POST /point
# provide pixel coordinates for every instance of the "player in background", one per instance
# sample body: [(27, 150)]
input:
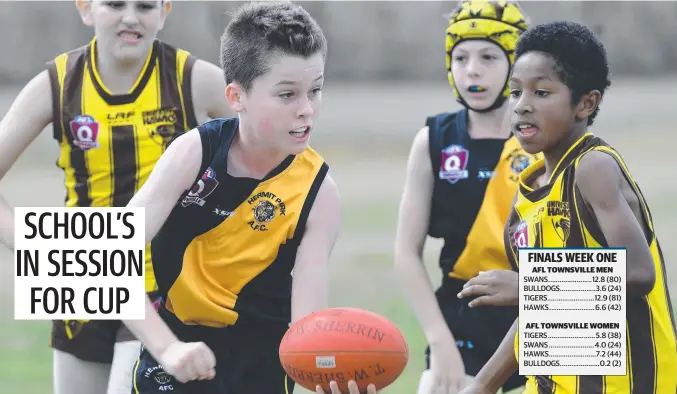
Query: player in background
[(461, 178), (243, 216), (113, 104), (559, 79)]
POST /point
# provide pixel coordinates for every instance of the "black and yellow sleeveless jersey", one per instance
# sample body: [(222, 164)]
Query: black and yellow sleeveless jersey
[(228, 248), (555, 216), (475, 183), (110, 143)]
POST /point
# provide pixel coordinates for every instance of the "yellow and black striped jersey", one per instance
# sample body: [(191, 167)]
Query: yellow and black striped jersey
[(110, 143), (555, 216)]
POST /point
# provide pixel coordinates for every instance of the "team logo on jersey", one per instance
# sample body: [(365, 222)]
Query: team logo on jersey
[(562, 228), (521, 235), (265, 206), (560, 214), (264, 212), (203, 188), (160, 124), (161, 377), (85, 131), (519, 162), (163, 134), (453, 164)]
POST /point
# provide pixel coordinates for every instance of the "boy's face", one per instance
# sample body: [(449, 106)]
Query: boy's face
[(125, 29), (541, 113), (480, 69), (282, 104)]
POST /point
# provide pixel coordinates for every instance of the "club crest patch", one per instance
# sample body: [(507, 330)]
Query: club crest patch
[(264, 212), (521, 235), (203, 188), (519, 163), (265, 207), (85, 132), (453, 163)]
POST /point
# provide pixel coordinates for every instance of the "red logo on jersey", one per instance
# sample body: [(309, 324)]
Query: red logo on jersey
[(209, 174), (521, 235), (203, 188), (85, 131), (453, 163)]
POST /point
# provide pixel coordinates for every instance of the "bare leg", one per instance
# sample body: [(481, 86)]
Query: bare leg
[(75, 376)]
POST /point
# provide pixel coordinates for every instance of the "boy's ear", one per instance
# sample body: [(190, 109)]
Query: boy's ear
[(85, 9), (588, 104), (235, 95), (166, 9)]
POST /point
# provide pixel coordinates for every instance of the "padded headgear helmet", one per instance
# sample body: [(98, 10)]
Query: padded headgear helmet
[(499, 22)]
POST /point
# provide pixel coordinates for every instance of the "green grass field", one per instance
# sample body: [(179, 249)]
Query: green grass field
[(367, 149)]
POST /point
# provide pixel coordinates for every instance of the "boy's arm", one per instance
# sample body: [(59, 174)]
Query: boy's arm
[(310, 285), (209, 92), (174, 173), (30, 113), (446, 364), (411, 233), (601, 182)]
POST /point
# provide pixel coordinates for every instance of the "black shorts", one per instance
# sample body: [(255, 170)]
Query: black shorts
[(478, 331), (93, 340), (247, 361)]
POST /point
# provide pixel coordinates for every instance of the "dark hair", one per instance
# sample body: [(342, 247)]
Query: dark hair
[(259, 30), (580, 58)]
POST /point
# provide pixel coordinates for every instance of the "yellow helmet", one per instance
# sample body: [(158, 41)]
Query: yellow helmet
[(500, 22)]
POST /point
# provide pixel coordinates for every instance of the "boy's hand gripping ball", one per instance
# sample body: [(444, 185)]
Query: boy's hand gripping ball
[(343, 344)]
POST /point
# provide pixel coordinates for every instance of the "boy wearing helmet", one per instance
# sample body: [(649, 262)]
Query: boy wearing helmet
[(461, 178)]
